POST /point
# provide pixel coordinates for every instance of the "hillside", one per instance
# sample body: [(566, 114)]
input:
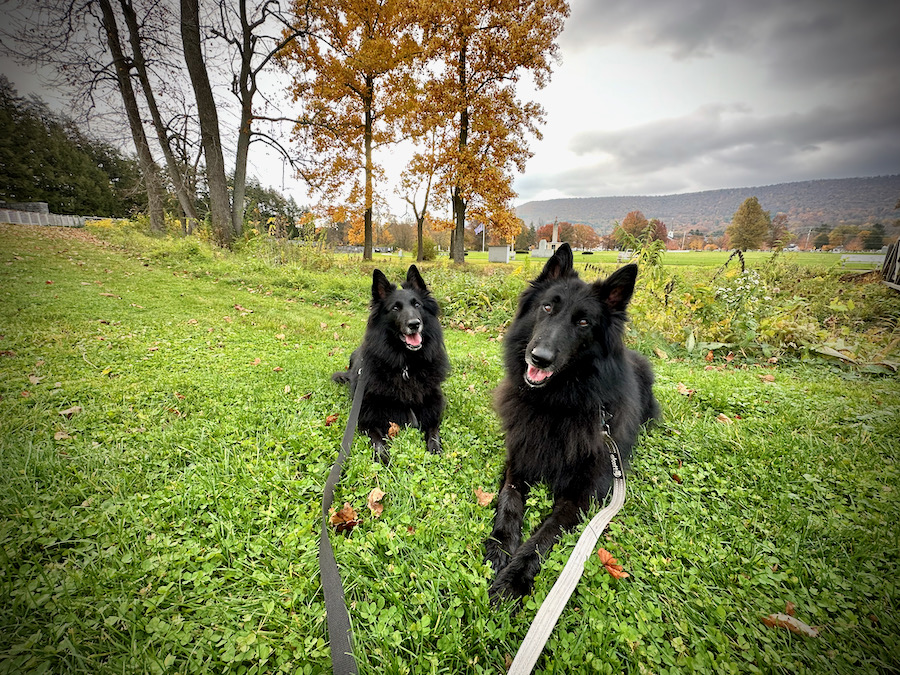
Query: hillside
[(807, 204)]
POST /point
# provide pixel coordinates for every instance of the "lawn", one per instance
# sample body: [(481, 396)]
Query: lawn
[(166, 427)]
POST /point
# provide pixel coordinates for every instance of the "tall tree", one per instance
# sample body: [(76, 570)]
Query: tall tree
[(219, 201), (177, 171), (778, 235), (749, 225), (480, 50), (353, 81), (250, 31), (122, 67)]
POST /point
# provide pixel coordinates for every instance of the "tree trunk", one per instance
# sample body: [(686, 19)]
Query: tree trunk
[(420, 226), (367, 138), (148, 167), (185, 198), (458, 246), (246, 92), (219, 203)]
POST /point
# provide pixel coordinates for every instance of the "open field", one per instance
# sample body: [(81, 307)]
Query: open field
[(165, 436), (674, 258)]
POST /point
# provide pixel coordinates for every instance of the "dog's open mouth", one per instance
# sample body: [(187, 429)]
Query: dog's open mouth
[(413, 341), (537, 377)]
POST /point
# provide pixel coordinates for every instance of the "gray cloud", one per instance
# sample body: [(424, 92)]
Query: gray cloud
[(801, 40)]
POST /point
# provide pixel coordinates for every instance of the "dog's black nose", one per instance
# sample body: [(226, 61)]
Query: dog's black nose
[(414, 325), (541, 357)]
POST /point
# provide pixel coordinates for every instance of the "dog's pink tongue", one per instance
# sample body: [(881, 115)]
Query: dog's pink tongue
[(536, 374), (413, 340)]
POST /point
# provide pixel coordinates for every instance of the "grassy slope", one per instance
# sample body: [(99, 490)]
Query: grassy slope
[(169, 525)]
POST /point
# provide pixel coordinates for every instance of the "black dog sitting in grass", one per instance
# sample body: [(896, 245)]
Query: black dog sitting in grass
[(567, 374), (406, 362)]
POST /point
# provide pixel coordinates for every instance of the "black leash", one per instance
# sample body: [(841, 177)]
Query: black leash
[(340, 635)]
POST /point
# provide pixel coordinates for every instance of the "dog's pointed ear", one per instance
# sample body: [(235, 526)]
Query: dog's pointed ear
[(559, 265), (381, 287), (415, 280), (616, 291)]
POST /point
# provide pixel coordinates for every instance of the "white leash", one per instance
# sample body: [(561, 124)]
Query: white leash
[(556, 600)]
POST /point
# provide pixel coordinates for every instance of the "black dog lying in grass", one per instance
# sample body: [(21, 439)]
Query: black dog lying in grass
[(406, 362), (567, 372)]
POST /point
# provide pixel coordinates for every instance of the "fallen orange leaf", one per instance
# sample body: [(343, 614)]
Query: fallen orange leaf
[(484, 498), (611, 564), (331, 419), (393, 430), (345, 519), (374, 502)]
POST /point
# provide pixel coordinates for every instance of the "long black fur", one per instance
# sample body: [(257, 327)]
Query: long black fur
[(403, 353), (566, 361)]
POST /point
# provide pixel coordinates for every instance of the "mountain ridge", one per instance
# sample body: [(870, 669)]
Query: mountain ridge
[(832, 201)]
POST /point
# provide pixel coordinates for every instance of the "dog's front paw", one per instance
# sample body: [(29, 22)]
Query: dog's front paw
[(433, 444), (495, 555), (509, 585), (381, 453)]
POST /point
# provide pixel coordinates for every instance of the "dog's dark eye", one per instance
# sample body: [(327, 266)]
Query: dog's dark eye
[(395, 308), (547, 308), (416, 304), (584, 323)]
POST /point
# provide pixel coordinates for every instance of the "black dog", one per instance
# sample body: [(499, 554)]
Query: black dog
[(567, 373), (406, 362)]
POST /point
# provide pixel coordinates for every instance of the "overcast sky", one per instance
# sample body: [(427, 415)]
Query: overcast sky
[(668, 96)]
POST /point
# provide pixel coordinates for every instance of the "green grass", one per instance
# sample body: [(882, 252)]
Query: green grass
[(673, 258), (169, 524)]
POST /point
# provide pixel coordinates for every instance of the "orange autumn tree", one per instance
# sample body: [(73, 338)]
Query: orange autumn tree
[(478, 50), (352, 80)]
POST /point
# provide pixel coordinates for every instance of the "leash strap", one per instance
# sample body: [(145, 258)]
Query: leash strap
[(340, 635), (556, 600)]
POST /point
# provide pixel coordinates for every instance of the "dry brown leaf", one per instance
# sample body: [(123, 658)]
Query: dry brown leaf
[(243, 309), (484, 498), (256, 361), (683, 390), (279, 336), (793, 624), (661, 354), (277, 369), (331, 419), (345, 519), (61, 436), (767, 378), (393, 429), (724, 419), (611, 564), (193, 322), (374, 502), (25, 393), (306, 396), (710, 356), (34, 379), (109, 295), (68, 412), (677, 478), (287, 389)]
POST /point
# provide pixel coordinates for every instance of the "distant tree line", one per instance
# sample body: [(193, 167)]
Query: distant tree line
[(45, 157)]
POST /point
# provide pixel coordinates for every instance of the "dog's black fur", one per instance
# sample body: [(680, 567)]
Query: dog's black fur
[(406, 362), (565, 361)]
